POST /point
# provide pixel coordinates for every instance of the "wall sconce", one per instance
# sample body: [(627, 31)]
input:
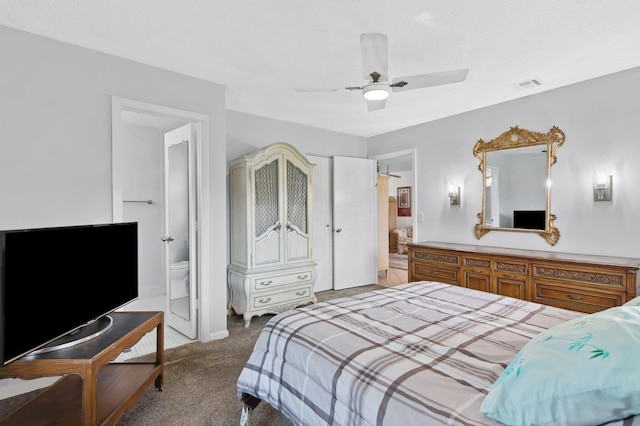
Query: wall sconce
[(454, 194), (602, 186)]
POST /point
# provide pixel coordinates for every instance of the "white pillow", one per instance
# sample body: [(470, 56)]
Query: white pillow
[(581, 372)]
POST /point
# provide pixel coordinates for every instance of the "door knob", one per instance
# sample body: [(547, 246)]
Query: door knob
[(339, 230), (168, 239)]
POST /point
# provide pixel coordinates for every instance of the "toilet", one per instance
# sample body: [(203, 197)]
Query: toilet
[(179, 276)]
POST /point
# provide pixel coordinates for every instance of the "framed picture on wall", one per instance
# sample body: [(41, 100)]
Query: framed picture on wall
[(404, 201)]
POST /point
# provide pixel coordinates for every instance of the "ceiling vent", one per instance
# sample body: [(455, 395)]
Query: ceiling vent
[(527, 84)]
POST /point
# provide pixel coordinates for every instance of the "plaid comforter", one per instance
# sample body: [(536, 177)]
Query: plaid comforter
[(416, 354)]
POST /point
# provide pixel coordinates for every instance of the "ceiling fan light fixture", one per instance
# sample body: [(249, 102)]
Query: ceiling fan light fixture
[(376, 91)]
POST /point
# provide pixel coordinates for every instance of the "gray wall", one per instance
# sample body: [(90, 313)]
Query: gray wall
[(247, 133), (55, 151), (598, 117), (143, 160)]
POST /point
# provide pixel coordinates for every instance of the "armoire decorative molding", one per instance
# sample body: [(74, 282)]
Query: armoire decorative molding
[(271, 268)]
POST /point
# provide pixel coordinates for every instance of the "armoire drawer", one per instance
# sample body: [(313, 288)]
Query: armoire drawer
[(260, 301), (271, 281)]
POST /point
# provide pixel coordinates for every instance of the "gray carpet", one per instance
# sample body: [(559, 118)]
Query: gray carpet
[(200, 380)]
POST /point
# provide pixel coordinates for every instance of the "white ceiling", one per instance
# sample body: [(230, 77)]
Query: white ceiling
[(262, 50)]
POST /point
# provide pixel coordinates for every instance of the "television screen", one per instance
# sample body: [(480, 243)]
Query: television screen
[(55, 280), (529, 219)]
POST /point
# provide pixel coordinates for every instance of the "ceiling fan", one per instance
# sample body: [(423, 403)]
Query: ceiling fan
[(376, 90)]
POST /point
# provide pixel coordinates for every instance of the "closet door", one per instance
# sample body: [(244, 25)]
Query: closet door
[(322, 189), (355, 242)]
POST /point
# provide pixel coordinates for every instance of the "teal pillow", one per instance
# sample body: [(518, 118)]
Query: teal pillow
[(585, 371), (633, 302)]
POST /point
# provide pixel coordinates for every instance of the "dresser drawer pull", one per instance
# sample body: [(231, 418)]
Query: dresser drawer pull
[(265, 283), (303, 277), (510, 276), (434, 272), (301, 293), (574, 297), (263, 301)]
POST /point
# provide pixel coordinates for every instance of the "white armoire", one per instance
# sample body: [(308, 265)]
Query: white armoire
[(271, 268)]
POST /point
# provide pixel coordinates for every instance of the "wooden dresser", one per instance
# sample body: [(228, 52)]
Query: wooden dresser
[(580, 282)]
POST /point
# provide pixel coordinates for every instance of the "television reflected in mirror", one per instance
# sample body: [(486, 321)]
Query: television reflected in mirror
[(529, 219), (59, 284)]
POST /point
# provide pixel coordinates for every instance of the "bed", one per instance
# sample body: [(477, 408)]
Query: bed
[(429, 353)]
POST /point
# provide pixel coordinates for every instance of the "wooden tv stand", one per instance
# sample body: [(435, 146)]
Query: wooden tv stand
[(93, 390)]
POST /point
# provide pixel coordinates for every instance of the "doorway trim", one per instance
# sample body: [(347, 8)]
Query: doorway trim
[(413, 152), (118, 106)]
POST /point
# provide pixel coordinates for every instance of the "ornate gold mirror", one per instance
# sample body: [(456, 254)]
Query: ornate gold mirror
[(516, 175)]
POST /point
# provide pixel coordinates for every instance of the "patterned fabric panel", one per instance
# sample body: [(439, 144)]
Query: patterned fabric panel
[(415, 354), (266, 197), (296, 197)]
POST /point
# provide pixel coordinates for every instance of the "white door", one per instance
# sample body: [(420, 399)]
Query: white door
[(322, 216), (355, 248), (180, 229)]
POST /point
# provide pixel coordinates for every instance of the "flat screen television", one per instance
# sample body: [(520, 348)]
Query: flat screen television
[(57, 285), (529, 219)]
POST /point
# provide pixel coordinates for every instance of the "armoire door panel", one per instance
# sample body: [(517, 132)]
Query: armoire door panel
[(297, 246), (268, 250)]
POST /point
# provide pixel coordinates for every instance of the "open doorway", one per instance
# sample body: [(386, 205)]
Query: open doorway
[(400, 167), (140, 188)]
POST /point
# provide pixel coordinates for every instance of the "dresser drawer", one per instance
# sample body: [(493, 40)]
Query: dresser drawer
[(510, 268), (578, 299), (601, 277), (476, 263), (271, 281), (289, 299), (424, 272), (433, 257), (477, 278)]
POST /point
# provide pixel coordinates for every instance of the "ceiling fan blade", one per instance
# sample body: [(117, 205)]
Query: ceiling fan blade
[(428, 80), (375, 56), (376, 105), (320, 89)]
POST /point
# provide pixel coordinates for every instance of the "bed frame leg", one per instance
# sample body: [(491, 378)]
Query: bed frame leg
[(245, 417)]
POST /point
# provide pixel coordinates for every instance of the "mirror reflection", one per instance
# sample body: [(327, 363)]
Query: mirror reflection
[(178, 215), (516, 169), (516, 189)]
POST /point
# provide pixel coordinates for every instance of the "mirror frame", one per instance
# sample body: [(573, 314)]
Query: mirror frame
[(518, 138)]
